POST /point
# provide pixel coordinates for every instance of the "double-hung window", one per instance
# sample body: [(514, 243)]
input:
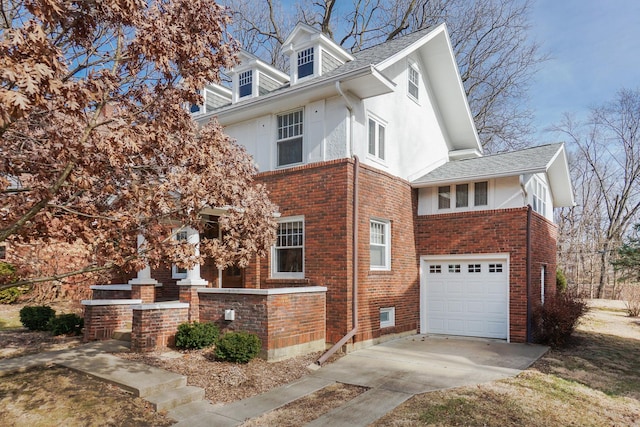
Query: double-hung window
[(289, 144), (288, 252), (245, 83), (305, 63), (539, 197), (462, 195), (380, 244), (179, 272), (481, 191), (376, 138), (413, 83)]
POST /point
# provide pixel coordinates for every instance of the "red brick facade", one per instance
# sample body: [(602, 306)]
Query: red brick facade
[(101, 321), (156, 327), (498, 231)]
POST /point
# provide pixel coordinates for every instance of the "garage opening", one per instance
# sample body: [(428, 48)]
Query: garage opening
[(465, 295)]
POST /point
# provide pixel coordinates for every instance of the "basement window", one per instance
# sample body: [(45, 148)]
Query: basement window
[(387, 317)]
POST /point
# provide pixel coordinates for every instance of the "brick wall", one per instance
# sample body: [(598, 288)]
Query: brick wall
[(498, 231), (287, 322), (543, 253), (155, 326), (100, 321), (323, 193)]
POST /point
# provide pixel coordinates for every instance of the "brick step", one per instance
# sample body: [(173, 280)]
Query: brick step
[(171, 398)]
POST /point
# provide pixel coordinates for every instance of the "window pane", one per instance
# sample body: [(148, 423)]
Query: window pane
[(290, 151), (462, 195), (289, 260), (305, 63), (372, 137), (414, 78), (444, 197), (378, 256), (245, 82), (480, 193)]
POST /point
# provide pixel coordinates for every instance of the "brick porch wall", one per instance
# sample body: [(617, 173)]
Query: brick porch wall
[(103, 317), (288, 321), (543, 253), (155, 325), (497, 231)]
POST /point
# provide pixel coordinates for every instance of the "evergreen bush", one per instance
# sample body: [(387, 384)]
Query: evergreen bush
[(238, 347), (66, 324), (561, 281), (196, 335), (36, 318)]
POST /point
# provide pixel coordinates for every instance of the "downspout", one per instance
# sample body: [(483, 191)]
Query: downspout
[(529, 319), (354, 237)]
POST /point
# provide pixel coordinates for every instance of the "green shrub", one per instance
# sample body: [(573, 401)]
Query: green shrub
[(196, 335), (561, 282), (66, 324), (238, 347), (555, 321), (11, 295), (36, 318)]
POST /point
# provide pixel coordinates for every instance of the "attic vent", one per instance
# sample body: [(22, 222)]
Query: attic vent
[(305, 63)]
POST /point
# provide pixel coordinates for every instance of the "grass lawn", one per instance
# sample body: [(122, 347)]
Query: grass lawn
[(594, 381)]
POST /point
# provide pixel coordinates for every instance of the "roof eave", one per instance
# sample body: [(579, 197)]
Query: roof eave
[(448, 181)]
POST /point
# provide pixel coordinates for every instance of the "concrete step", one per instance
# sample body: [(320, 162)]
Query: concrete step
[(122, 335), (169, 399), (186, 411)]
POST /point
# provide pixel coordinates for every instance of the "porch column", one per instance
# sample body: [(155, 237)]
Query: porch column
[(143, 286), (193, 274)]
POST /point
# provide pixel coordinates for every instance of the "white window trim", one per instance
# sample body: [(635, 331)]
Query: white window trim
[(539, 187), (392, 317), (379, 123), (288, 275), (387, 245), (175, 274), (304, 128), (315, 54), (543, 273), (471, 192), (413, 66)]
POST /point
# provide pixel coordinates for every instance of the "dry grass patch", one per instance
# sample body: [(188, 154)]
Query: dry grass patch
[(593, 381), (308, 408), (61, 397)]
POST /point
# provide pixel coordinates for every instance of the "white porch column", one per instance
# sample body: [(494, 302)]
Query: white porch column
[(193, 274), (144, 275)]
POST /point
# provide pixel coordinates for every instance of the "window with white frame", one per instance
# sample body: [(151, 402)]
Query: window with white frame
[(305, 62), (376, 138), (245, 83), (539, 197), (543, 272), (380, 244), (290, 138), (387, 317), (414, 81), (288, 252), (179, 272), (464, 194)]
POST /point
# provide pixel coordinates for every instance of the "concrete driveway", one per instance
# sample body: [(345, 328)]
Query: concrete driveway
[(398, 369)]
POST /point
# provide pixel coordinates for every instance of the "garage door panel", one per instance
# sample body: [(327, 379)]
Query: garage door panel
[(471, 301)]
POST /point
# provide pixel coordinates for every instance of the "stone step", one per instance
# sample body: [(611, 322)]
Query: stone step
[(122, 335), (169, 399)]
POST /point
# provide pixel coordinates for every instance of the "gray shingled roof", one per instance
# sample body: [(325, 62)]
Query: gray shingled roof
[(529, 160), (362, 59)]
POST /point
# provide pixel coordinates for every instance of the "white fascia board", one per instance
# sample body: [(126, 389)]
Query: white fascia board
[(300, 94), (560, 180)]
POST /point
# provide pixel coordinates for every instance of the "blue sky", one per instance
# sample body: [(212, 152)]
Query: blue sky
[(595, 51)]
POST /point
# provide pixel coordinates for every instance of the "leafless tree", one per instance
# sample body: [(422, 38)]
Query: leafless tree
[(495, 54), (608, 173)]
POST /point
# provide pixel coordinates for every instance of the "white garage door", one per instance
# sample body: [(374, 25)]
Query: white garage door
[(465, 296)]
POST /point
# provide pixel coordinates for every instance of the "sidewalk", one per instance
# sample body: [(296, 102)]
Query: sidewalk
[(393, 372)]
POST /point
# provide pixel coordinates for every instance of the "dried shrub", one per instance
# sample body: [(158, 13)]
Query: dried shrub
[(196, 335), (555, 321), (36, 318), (66, 324), (238, 347), (631, 296)]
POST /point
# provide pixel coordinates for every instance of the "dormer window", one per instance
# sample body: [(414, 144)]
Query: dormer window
[(305, 63), (245, 83)]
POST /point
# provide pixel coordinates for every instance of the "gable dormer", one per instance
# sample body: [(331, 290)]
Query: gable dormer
[(253, 77), (311, 53), (214, 96)]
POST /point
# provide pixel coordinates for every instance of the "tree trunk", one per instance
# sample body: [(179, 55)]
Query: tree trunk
[(604, 260)]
